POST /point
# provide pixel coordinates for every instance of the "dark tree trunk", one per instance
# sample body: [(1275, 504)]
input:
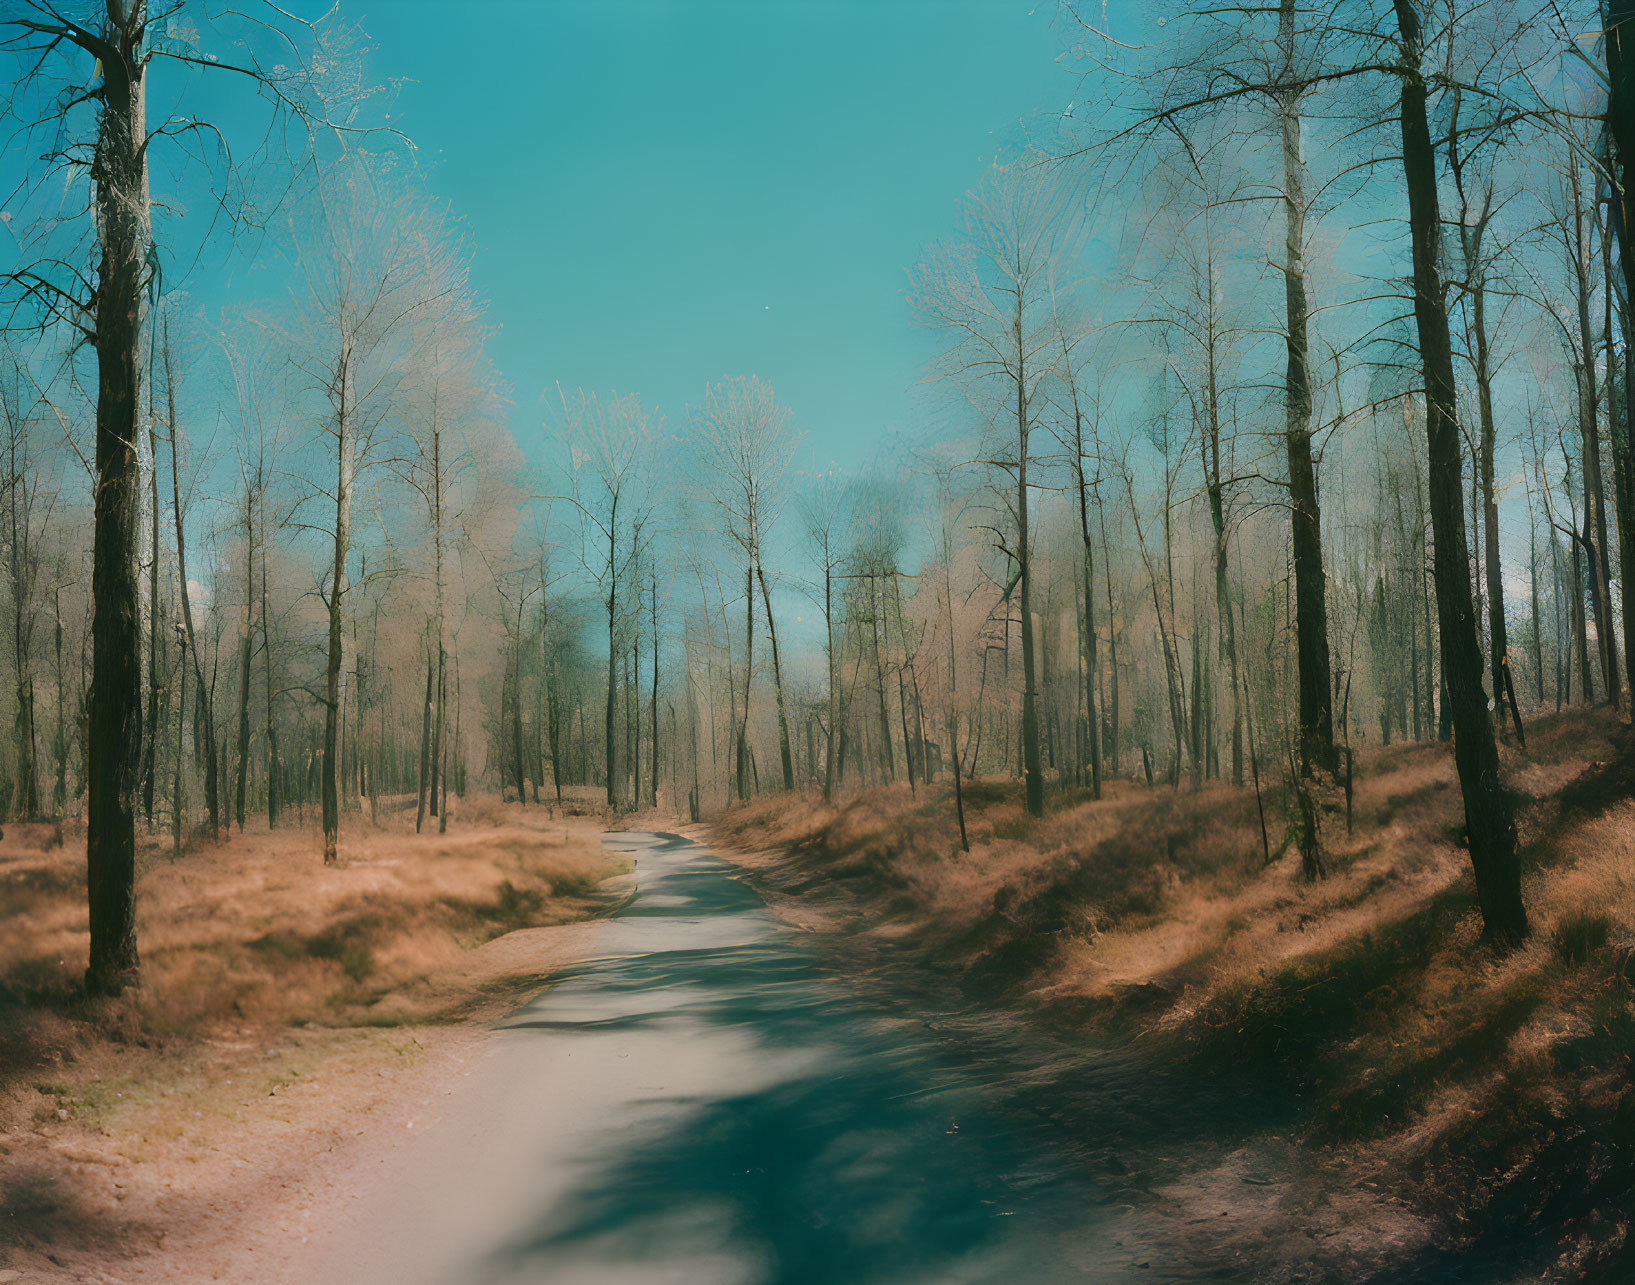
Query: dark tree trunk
[(22, 560), (1621, 129), (203, 713), (1088, 620), (114, 713), (777, 684), (1034, 778), (1497, 634), (1594, 534), (329, 785), (888, 763), (241, 784), (515, 666), (1489, 822), (1223, 601), (425, 745), (612, 655), (1112, 647), (743, 761), (653, 696), (273, 796), (156, 631), (832, 730), (1306, 529), (1623, 470), (553, 695)]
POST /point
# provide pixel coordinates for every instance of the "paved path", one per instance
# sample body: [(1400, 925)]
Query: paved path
[(704, 1104)]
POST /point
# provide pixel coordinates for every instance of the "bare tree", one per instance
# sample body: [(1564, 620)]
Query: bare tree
[(996, 292), (368, 278), (204, 714), (609, 445), (825, 512), (101, 133), (746, 443)]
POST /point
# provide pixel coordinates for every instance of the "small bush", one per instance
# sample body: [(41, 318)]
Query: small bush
[(1580, 933), (348, 946), (516, 904)]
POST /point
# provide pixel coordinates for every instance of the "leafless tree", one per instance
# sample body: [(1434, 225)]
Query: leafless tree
[(997, 293), (746, 445)]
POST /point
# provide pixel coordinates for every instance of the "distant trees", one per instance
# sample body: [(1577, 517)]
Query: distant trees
[(996, 294), (28, 508), (364, 295), (745, 443), (826, 515), (610, 446)]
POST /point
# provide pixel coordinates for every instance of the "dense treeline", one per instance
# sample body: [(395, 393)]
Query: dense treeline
[(1283, 410)]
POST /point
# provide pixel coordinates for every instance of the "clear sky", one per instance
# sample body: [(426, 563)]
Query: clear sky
[(663, 192)]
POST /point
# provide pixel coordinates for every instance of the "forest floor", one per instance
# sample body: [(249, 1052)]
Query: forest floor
[(289, 1019), (1441, 1104)]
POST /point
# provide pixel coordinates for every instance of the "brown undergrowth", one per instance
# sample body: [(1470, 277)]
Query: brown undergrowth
[(1490, 1090), (261, 970)]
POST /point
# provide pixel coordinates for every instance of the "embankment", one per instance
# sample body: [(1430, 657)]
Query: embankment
[(1479, 1101)]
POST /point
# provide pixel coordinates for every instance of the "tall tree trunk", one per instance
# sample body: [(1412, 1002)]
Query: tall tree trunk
[(156, 630), (204, 715), (553, 694), (888, 763), (777, 683), (1532, 578), (1577, 623), (1306, 529), (742, 762), (1594, 535), (178, 789), (632, 724), (114, 703), (1033, 776), (612, 654), (1623, 468), (1489, 822), (273, 797), (329, 785), (514, 664), (653, 696), (21, 564), (1620, 124), (1112, 645), (425, 744), (59, 739), (832, 730), (1087, 628), (1497, 633), (241, 784), (1228, 637), (1620, 417)]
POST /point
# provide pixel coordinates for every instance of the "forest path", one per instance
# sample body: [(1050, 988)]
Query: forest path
[(706, 1102)]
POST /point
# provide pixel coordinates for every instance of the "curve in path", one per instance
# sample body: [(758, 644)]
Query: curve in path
[(707, 1104)]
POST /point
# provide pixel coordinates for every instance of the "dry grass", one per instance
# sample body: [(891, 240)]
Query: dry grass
[(1494, 1085), (255, 929), (263, 971)]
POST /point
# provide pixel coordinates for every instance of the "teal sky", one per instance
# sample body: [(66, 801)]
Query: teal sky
[(663, 192)]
